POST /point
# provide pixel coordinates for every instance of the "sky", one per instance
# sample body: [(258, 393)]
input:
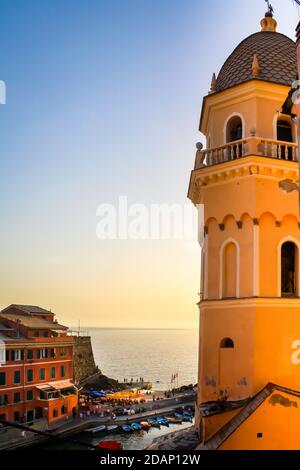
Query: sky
[(103, 101)]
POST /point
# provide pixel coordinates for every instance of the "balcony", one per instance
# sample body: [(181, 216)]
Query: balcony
[(242, 148)]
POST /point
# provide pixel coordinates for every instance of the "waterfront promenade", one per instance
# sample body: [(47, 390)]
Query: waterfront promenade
[(10, 438)]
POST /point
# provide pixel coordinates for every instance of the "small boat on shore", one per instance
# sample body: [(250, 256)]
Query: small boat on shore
[(173, 420), (97, 429), (162, 421), (187, 419), (145, 425), (153, 423), (110, 445), (126, 428), (136, 427), (112, 428)]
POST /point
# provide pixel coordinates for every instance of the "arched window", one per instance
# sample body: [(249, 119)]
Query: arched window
[(55, 413), (234, 129), (227, 343), (288, 269), (230, 275), (285, 134), (64, 410)]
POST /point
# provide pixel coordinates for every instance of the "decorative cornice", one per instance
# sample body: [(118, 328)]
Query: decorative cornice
[(246, 167), (250, 302)]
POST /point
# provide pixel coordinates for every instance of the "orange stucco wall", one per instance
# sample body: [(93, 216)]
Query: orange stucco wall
[(277, 419)]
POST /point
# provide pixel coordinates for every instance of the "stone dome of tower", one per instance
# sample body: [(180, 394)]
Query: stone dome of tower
[(274, 52)]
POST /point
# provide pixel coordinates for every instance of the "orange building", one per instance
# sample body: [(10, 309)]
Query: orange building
[(247, 181), (36, 356)]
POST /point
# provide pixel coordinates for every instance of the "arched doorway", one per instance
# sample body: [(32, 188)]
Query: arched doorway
[(285, 134), (288, 269)]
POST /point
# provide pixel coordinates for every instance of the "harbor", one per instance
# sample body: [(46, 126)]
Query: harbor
[(173, 414)]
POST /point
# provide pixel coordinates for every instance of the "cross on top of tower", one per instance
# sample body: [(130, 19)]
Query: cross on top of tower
[(270, 8)]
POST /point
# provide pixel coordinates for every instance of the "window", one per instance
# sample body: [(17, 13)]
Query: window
[(3, 400), (42, 374), (288, 269), (42, 353), (227, 343), (2, 378), (52, 352), (234, 133), (30, 354), (17, 416), (7, 355), (29, 375), (62, 352), (234, 130), (30, 415), (64, 409), (17, 355), (17, 377), (55, 413), (62, 371), (259, 435), (17, 397), (36, 333), (46, 334), (29, 395), (52, 372)]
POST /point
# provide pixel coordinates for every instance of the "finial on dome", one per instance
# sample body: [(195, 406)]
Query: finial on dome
[(268, 23), (213, 86), (255, 67)]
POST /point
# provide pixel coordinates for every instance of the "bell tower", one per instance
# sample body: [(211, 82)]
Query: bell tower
[(244, 178)]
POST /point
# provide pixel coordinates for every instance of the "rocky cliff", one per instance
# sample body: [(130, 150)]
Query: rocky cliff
[(84, 365)]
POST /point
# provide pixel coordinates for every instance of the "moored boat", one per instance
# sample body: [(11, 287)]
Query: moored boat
[(162, 421), (97, 429), (126, 428), (187, 419), (136, 427), (145, 425), (174, 420), (110, 445), (153, 423), (112, 428)]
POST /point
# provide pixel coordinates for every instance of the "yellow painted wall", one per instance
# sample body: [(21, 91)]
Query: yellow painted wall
[(258, 102), (217, 421), (277, 419), (226, 373)]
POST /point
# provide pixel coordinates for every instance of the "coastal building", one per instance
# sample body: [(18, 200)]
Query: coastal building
[(247, 180), (36, 366)]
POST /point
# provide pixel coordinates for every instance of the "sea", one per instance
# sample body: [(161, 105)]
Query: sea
[(152, 354)]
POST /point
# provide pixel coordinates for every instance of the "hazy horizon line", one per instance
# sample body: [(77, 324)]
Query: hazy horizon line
[(127, 328)]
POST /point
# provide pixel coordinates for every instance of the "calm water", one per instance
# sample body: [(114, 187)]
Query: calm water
[(152, 354), (130, 441)]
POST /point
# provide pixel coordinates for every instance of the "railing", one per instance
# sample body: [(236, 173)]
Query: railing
[(241, 148)]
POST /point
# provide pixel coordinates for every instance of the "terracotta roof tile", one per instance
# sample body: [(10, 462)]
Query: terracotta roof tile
[(276, 54)]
